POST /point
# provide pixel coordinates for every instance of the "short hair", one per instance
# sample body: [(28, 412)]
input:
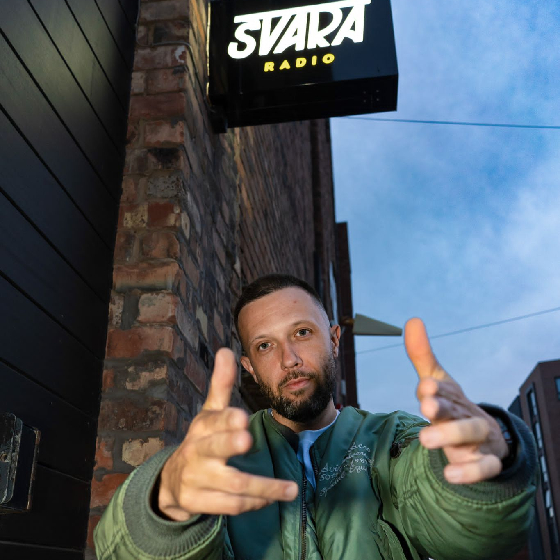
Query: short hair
[(269, 284)]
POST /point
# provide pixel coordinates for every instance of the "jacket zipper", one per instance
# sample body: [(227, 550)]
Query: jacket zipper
[(303, 516)]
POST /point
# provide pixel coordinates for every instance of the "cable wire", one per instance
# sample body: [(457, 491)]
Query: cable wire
[(468, 329), (457, 123)]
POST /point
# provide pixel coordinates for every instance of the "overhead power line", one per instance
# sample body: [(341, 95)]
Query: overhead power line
[(468, 329), (457, 123)]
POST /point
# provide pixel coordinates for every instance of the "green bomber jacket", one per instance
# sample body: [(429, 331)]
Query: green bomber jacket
[(379, 495)]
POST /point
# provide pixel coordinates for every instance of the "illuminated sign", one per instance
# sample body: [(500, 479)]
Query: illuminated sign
[(285, 60)]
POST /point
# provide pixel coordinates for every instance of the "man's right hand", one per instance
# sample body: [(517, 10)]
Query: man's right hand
[(196, 478)]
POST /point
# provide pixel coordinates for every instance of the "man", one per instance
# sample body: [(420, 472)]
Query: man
[(301, 481)]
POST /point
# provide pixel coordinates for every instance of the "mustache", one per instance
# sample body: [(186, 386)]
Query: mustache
[(295, 375)]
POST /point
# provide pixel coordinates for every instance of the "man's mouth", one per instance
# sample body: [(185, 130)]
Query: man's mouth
[(298, 383)]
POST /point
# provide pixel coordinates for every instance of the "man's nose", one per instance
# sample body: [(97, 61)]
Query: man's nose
[(290, 358)]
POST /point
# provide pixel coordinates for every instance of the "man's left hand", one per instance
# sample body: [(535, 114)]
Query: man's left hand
[(470, 438)]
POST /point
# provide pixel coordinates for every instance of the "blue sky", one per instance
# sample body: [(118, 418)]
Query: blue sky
[(458, 225)]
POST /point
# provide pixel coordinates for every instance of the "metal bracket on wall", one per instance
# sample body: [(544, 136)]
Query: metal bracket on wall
[(19, 445)]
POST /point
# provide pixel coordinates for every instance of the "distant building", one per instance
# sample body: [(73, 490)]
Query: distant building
[(538, 404)]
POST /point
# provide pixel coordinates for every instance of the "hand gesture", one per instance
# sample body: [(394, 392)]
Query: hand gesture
[(471, 439), (196, 478)]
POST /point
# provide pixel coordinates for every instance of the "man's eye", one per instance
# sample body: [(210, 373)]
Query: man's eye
[(263, 345), (303, 332)]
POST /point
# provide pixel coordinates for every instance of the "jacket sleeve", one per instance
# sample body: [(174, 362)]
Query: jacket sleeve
[(130, 530), (489, 520)]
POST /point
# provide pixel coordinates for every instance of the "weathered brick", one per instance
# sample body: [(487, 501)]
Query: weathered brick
[(169, 185), (137, 451), (164, 214), (170, 31), (128, 414), (199, 16), (160, 57), (129, 190), (162, 133), (166, 158), (104, 453), (115, 309), (142, 161), (185, 225), (93, 521), (167, 80), (158, 307), (197, 373), (187, 326), (160, 245), (135, 341), (133, 215), (171, 417), (191, 268), (220, 280), (125, 243), (147, 276), (138, 83), (162, 10), (157, 106), (108, 381), (194, 212), (203, 319), (219, 327), (142, 377), (132, 135), (102, 490), (219, 248)]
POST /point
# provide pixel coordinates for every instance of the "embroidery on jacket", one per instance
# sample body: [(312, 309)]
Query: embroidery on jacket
[(356, 460)]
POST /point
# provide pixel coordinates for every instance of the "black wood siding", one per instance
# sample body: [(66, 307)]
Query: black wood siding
[(65, 70)]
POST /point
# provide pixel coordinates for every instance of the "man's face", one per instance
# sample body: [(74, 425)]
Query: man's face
[(291, 351)]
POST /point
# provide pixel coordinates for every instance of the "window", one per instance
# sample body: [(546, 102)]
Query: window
[(557, 379), (532, 401)]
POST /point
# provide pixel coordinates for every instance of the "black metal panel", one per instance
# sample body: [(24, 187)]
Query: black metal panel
[(29, 185), (77, 54), (123, 34), (32, 264), (38, 346), (13, 551), (39, 55), (47, 136), (130, 8), (67, 434), (57, 518), (65, 80), (99, 37)]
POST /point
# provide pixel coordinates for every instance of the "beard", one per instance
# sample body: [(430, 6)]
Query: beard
[(306, 410)]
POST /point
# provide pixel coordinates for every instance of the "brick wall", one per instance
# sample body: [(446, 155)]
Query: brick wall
[(201, 215)]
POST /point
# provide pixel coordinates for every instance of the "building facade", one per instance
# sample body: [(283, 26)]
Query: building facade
[(129, 228), (538, 404)]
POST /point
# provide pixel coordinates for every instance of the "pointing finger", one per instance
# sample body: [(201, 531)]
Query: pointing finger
[(223, 380), (232, 481), (420, 352), (457, 432)]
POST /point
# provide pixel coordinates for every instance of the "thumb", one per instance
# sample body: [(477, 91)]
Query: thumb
[(223, 380), (420, 352)]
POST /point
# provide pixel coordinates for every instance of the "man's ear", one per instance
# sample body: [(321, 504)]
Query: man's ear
[(246, 363), (335, 339)]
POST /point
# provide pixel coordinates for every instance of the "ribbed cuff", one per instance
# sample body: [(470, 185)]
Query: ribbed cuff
[(154, 535), (508, 483)]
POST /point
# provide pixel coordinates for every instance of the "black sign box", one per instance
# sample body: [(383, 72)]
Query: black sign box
[(274, 61)]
